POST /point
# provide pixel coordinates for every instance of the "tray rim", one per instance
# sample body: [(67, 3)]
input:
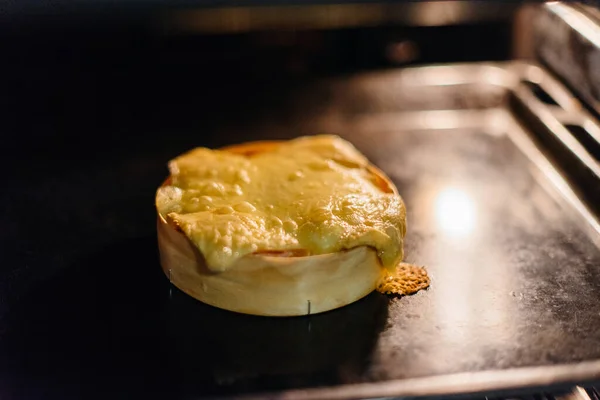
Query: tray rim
[(466, 383)]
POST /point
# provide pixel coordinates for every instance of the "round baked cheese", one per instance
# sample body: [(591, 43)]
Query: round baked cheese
[(279, 228)]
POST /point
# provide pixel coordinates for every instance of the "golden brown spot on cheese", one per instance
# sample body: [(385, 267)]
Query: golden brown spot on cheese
[(237, 190), (294, 176), (224, 210), (290, 226), (242, 175), (244, 207), (406, 279)]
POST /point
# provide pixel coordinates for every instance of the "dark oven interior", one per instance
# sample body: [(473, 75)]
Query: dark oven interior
[(97, 97)]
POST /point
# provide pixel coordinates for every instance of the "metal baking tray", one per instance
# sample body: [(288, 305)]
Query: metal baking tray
[(502, 202)]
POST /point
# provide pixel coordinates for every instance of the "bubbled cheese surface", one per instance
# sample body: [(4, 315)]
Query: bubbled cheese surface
[(312, 194)]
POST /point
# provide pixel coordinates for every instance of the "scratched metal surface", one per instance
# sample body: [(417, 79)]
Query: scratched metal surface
[(515, 280)]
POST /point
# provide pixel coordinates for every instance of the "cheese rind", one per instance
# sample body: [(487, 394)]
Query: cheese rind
[(314, 194)]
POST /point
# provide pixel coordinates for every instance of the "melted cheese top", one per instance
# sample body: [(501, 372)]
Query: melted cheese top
[(312, 194)]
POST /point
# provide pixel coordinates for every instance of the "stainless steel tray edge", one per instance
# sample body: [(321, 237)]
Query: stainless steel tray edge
[(456, 384)]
